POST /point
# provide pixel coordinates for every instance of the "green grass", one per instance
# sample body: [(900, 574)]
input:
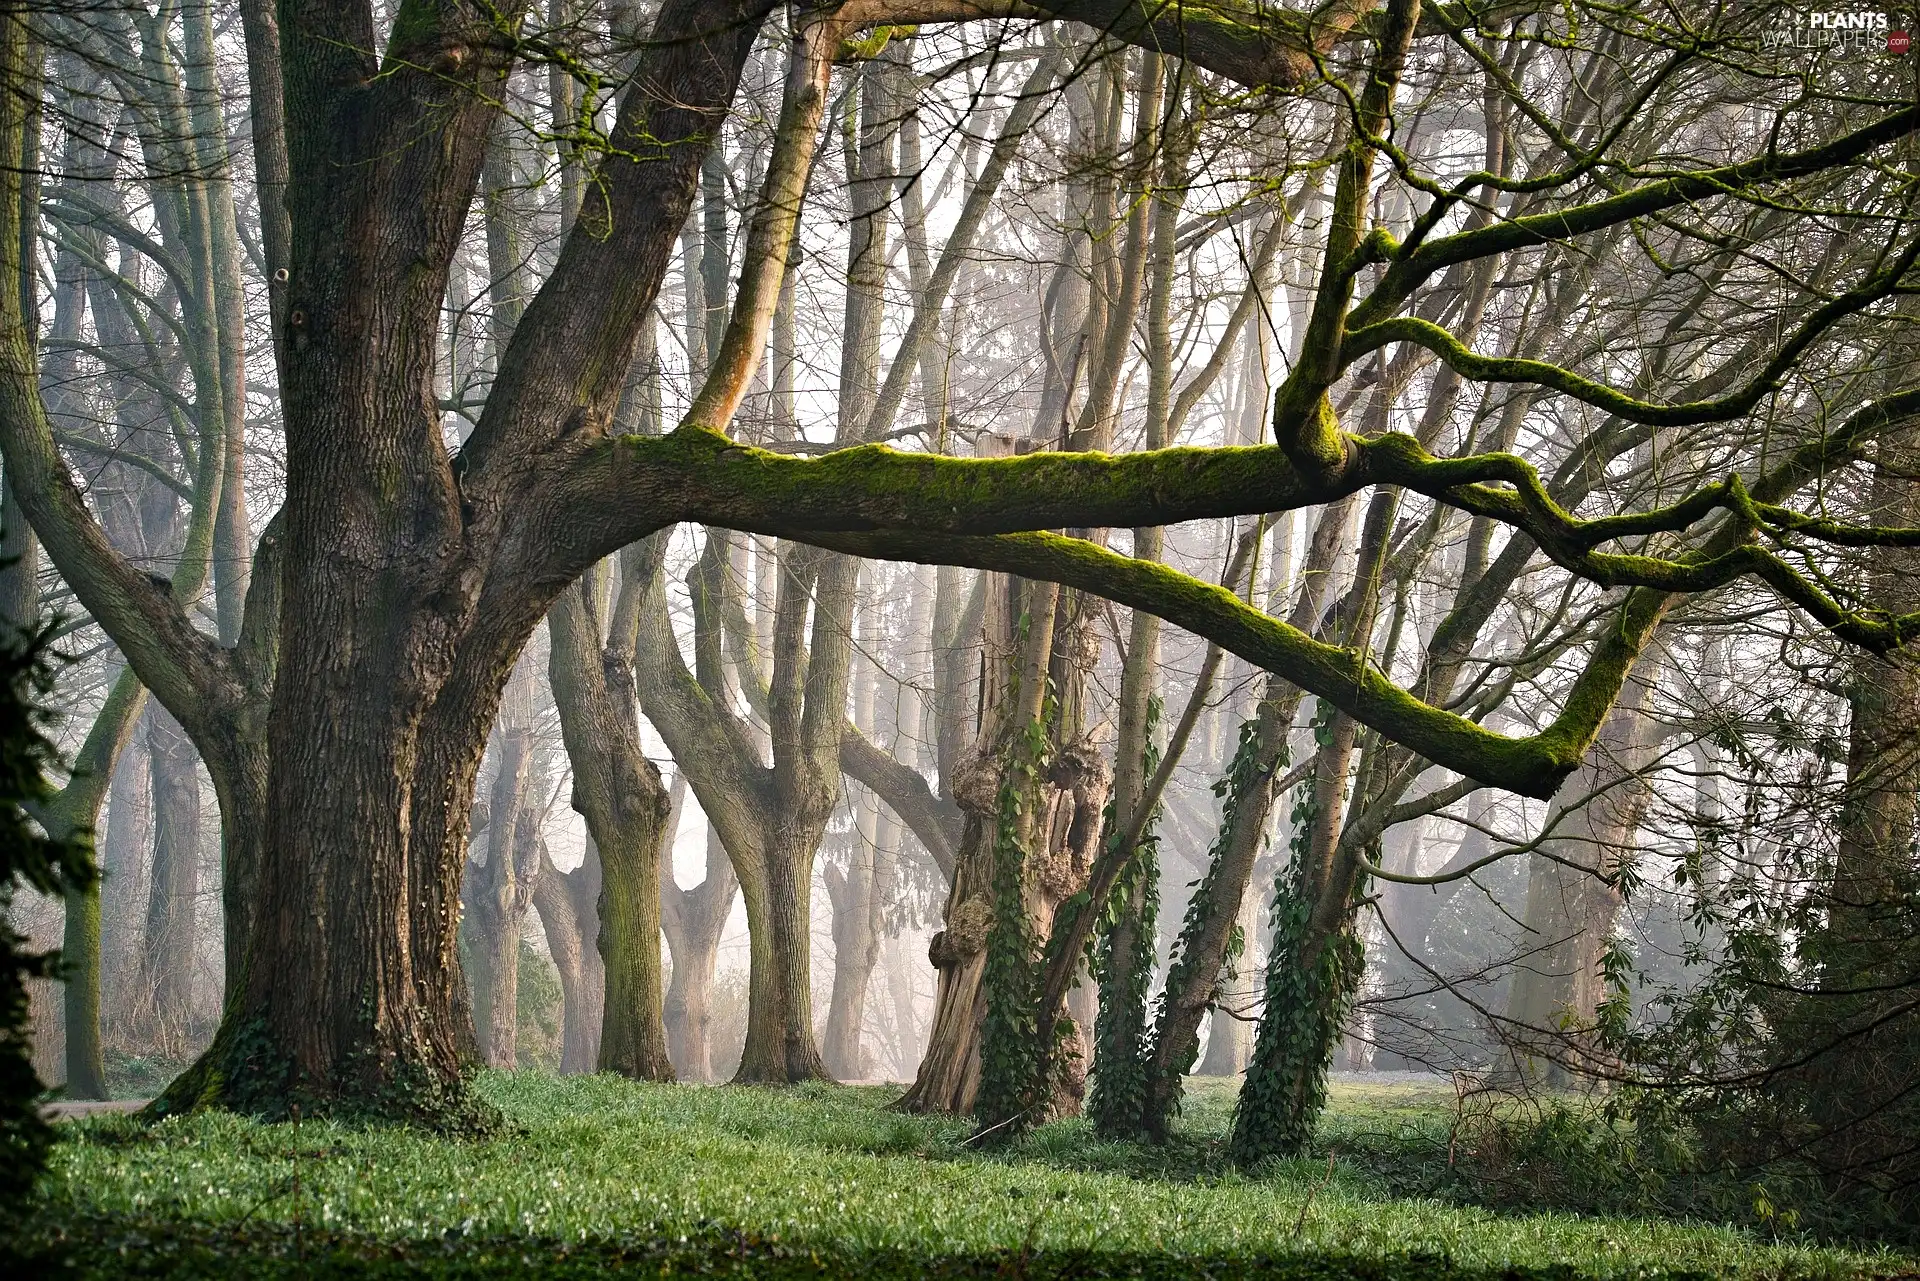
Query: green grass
[(598, 1172)]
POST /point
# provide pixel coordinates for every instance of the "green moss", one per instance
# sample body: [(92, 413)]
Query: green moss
[(712, 479)]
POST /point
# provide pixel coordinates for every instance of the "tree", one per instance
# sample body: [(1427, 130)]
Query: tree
[(344, 716)]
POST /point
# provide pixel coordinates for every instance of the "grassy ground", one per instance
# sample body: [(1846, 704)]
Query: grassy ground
[(598, 1172)]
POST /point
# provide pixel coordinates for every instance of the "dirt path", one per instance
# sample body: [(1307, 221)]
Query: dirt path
[(74, 1109)]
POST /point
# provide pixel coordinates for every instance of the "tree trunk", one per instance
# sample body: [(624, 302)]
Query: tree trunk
[(167, 953), (406, 590), (1572, 904), (1059, 829), (570, 915), (949, 1073), (859, 896), (620, 794), (1253, 781), (71, 816), (123, 870), (781, 1048), (498, 893), (693, 920), (1317, 962)]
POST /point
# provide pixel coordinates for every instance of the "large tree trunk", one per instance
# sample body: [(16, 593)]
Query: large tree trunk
[(1059, 833), (949, 1073), (408, 590)]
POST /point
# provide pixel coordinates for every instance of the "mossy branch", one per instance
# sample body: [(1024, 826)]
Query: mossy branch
[(1531, 766)]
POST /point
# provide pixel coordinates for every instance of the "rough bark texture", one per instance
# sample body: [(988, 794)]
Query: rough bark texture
[(374, 744), (1061, 829)]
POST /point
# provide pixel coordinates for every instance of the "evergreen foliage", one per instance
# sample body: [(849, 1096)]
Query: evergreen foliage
[(27, 858)]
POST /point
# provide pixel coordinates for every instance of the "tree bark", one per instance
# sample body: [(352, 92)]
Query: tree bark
[(620, 794)]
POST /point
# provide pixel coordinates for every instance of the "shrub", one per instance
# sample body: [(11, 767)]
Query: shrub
[(27, 857)]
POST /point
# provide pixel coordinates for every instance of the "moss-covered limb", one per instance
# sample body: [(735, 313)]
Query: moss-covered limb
[(1530, 766), (634, 485), (1257, 45), (1514, 369), (1418, 264), (1839, 533), (639, 483), (1568, 540), (874, 488)]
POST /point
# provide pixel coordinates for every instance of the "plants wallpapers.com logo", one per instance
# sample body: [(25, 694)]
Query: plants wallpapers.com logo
[(1842, 33)]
